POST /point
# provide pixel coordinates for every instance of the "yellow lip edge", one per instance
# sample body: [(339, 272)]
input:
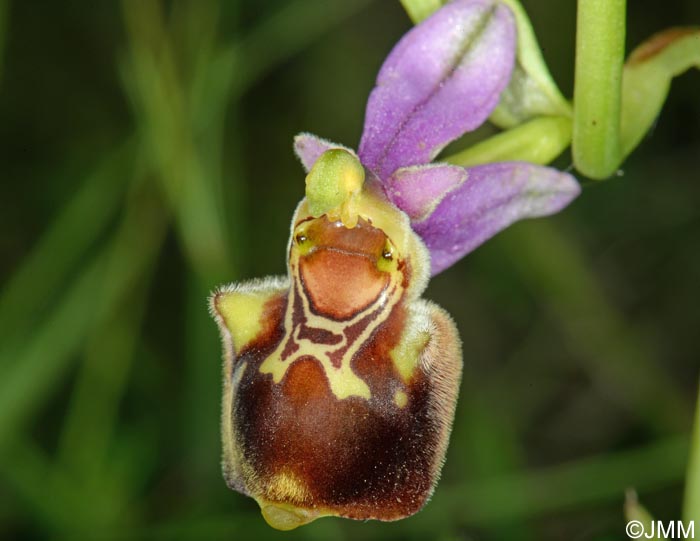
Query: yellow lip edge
[(286, 517)]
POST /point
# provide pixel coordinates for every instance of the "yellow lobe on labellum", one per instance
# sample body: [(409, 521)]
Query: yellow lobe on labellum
[(400, 399), (241, 313), (404, 355), (286, 517)]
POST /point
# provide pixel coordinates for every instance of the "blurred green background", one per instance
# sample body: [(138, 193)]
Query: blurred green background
[(146, 158)]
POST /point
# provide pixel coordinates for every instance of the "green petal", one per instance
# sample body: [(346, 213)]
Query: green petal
[(420, 9), (538, 141), (646, 79)]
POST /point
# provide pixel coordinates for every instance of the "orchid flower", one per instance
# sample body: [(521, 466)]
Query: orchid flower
[(340, 381)]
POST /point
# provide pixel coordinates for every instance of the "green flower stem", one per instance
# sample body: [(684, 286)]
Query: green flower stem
[(600, 49), (691, 503), (537, 141)]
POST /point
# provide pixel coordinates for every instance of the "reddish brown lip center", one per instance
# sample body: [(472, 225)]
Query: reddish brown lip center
[(341, 284), (340, 275)]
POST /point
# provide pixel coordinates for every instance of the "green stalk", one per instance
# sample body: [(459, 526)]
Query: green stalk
[(691, 502), (600, 50)]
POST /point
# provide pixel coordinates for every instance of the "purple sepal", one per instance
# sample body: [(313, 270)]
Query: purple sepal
[(309, 148), (493, 197), (441, 80), (417, 190)]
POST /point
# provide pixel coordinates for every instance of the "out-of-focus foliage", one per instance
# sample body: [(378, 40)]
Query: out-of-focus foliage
[(146, 158)]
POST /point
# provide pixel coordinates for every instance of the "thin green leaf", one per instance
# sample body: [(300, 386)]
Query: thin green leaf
[(34, 370), (24, 468), (92, 414), (76, 227), (159, 98)]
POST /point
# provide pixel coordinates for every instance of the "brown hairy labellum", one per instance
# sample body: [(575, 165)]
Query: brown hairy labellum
[(340, 382)]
